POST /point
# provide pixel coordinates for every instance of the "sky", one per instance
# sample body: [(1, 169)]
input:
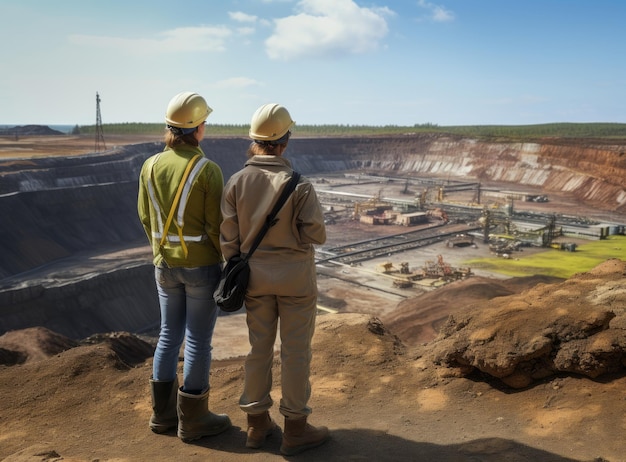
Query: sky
[(348, 62)]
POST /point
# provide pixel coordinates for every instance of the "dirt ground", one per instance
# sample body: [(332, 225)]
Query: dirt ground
[(382, 397), (63, 145)]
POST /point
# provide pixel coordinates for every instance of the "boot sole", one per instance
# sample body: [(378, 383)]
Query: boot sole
[(292, 451), (187, 437), (161, 430)]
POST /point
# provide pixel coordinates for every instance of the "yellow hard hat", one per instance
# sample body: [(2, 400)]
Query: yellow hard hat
[(270, 122), (187, 110)]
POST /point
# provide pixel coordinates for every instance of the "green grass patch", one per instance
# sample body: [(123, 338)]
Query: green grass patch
[(552, 262)]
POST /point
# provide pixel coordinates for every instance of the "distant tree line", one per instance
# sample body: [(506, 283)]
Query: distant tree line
[(571, 130)]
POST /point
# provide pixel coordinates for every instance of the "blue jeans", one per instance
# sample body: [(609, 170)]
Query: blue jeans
[(189, 313)]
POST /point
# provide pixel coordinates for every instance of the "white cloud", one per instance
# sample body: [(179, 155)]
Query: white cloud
[(327, 27), (242, 17), (183, 39), (438, 13)]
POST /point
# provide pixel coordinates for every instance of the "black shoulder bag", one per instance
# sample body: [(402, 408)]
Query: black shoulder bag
[(231, 290)]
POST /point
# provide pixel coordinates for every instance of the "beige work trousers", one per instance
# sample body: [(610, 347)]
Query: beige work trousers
[(280, 295)]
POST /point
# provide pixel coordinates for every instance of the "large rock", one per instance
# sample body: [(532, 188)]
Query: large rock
[(576, 327)]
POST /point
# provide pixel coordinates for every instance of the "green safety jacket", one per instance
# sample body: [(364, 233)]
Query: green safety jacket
[(192, 238)]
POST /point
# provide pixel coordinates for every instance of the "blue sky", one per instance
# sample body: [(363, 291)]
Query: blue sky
[(352, 62)]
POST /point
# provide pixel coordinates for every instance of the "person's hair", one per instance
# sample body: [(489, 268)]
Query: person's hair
[(172, 139), (264, 148)]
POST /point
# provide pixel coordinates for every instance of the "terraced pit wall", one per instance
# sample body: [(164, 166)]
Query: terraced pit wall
[(54, 208)]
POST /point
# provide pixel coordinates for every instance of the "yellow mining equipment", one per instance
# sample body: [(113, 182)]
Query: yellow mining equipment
[(373, 203), (401, 278)]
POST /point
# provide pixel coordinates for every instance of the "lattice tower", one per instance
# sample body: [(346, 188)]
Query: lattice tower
[(99, 133)]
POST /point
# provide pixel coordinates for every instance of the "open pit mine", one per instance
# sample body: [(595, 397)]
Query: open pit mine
[(69, 259)]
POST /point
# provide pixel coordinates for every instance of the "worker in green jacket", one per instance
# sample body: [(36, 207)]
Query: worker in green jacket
[(179, 207)]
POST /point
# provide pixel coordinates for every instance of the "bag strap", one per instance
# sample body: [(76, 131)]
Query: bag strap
[(271, 219)]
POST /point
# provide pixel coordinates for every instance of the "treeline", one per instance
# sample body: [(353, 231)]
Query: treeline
[(571, 130)]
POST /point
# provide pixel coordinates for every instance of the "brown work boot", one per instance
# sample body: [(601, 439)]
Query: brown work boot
[(260, 426), (195, 420), (299, 436)]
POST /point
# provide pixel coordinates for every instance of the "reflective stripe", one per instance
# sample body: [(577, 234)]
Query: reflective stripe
[(187, 189), (175, 238), (152, 194), (155, 204)]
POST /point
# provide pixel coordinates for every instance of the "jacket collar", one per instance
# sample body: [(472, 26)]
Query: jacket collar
[(186, 150), (277, 161)]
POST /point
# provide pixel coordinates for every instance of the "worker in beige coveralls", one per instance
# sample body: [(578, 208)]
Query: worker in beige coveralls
[(283, 283)]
